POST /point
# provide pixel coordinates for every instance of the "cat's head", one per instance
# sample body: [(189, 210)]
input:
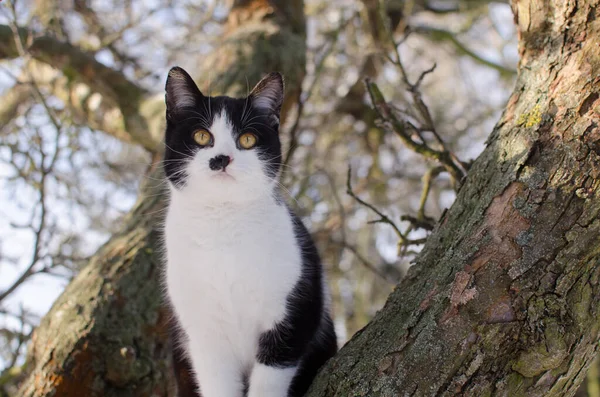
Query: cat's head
[(221, 148)]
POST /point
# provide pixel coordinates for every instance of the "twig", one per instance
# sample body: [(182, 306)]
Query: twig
[(382, 217), (392, 123), (427, 180), (305, 96), (36, 245), (20, 45), (421, 220), (47, 163), (403, 241), (365, 262), (423, 74), (425, 224)]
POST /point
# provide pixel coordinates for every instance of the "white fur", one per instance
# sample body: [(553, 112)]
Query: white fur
[(232, 260), (270, 381), (267, 99)]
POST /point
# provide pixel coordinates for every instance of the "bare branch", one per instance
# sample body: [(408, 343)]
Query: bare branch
[(38, 231), (366, 263), (138, 109), (427, 180), (391, 123), (439, 35), (421, 221), (382, 217), (403, 241)]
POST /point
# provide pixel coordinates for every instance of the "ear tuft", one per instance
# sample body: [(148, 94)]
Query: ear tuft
[(181, 91), (268, 93)]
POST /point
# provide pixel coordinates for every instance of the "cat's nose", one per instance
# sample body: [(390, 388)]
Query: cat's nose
[(219, 162)]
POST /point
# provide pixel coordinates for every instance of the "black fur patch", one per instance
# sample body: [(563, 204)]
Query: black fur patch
[(306, 335)]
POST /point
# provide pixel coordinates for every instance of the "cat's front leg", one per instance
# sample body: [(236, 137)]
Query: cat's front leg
[(218, 374), (278, 359), (271, 381)]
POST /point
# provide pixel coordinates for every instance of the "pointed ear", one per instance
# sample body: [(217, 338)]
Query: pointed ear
[(181, 91), (268, 94)]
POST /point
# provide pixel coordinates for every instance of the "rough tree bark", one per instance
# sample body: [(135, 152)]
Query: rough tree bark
[(106, 335), (504, 298)]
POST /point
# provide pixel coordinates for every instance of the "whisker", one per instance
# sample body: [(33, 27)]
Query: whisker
[(159, 211), (209, 95), (207, 110), (164, 181), (286, 190), (202, 119), (183, 154), (171, 161), (187, 147), (244, 114), (156, 195), (254, 118)]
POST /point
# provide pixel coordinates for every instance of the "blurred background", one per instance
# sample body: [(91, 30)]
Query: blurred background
[(68, 173)]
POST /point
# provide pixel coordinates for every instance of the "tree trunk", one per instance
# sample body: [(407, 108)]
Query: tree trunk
[(504, 298), (106, 335)]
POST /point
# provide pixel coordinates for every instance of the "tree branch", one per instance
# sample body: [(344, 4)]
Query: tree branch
[(382, 217), (365, 262), (439, 35), (391, 123), (138, 110), (403, 240)]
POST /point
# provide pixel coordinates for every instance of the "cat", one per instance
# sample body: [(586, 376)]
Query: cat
[(242, 275)]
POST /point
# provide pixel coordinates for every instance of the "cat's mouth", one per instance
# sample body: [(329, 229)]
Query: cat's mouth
[(222, 175)]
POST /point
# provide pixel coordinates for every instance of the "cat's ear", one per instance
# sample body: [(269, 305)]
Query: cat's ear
[(268, 94), (180, 91)]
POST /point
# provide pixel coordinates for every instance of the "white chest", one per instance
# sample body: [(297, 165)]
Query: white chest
[(229, 273)]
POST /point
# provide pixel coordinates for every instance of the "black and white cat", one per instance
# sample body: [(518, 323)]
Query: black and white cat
[(242, 273)]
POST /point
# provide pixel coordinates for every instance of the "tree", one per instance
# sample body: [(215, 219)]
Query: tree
[(503, 298), (500, 300)]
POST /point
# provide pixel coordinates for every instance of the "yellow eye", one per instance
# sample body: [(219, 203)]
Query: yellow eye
[(248, 140), (202, 137)]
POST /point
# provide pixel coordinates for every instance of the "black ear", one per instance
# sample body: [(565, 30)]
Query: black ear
[(268, 94), (181, 91)]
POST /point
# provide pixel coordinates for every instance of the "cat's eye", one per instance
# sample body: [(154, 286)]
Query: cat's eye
[(202, 137), (248, 140)]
